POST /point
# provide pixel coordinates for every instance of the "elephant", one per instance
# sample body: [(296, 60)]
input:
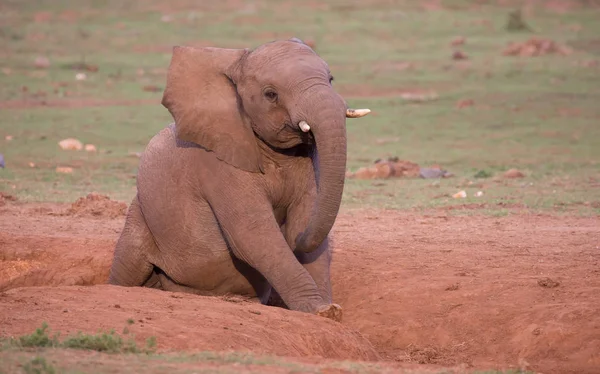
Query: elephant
[(239, 194)]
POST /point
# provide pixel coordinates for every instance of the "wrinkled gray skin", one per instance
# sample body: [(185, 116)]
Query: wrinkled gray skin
[(227, 197)]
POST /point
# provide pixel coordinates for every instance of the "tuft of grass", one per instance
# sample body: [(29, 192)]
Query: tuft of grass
[(38, 365), (483, 174), (108, 342), (39, 338), (101, 342)]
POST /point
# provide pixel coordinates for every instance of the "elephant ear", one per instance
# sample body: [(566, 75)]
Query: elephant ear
[(204, 103)]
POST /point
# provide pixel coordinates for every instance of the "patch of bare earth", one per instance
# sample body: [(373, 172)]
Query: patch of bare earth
[(478, 291)]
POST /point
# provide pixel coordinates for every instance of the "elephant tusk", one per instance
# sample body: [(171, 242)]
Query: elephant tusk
[(357, 113), (304, 126)]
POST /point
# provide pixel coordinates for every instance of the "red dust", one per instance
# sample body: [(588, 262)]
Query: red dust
[(427, 288)]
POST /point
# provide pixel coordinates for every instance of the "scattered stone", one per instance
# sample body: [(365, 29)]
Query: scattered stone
[(71, 144), (453, 287), (459, 40), (433, 173), (135, 154), (548, 283), (383, 169), (42, 62), (536, 47), (8, 138), (459, 55), (513, 173), (90, 148), (152, 88), (31, 165), (64, 169), (393, 167), (80, 76), (460, 195), (478, 194), (465, 103)]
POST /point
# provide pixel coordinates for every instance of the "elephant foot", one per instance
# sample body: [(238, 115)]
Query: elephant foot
[(331, 311)]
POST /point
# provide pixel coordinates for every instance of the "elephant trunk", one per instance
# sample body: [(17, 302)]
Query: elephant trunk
[(328, 126)]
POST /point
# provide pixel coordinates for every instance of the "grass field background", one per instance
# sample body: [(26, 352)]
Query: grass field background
[(538, 114)]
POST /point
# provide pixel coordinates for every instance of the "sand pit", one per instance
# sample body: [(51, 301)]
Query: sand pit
[(429, 289)]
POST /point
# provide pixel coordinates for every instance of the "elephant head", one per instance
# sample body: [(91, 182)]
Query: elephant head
[(228, 100)]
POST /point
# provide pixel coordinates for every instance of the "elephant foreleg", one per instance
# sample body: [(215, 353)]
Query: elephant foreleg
[(254, 237), (317, 264)]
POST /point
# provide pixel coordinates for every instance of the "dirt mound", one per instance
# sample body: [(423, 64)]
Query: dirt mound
[(466, 290), (396, 168), (426, 288), (96, 205), (4, 197), (181, 321), (536, 47), (54, 249)]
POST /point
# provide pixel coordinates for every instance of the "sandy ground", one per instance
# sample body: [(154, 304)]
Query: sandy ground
[(417, 289)]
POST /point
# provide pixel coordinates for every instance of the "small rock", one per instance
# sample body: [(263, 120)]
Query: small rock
[(70, 144), (8, 138), (453, 287), (548, 283), (432, 173), (152, 88), (64, 169), (80, 76), (460, 195), (135, 154), (513, 173), (31, 165), (459, 55), (465, 103), (460, 40), (90, 148), (478, 194), (42, 62)]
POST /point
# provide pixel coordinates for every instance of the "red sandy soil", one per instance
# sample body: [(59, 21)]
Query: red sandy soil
[(429, 288)]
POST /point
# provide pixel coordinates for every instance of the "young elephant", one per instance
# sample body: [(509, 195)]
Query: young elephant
[(240, 193)]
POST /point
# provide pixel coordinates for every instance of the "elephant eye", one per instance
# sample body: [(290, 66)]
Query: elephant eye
[(271, 95), (330, 79)]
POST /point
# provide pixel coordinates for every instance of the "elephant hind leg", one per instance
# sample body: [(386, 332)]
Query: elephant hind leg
[(130, 265)]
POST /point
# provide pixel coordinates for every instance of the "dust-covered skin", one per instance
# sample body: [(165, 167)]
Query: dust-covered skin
[(227, 195)]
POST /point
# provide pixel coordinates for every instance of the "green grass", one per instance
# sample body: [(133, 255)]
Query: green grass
[(539, 115), (38, 352), (108, 342)]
